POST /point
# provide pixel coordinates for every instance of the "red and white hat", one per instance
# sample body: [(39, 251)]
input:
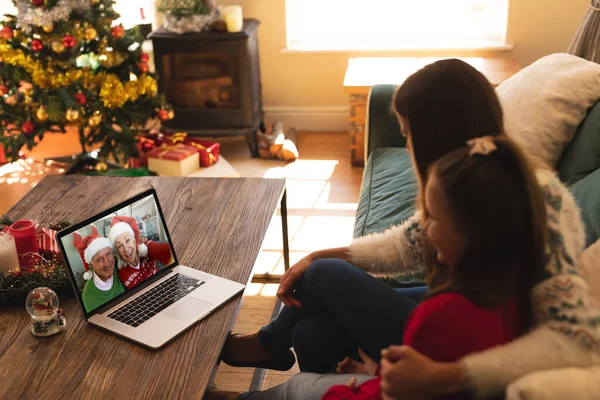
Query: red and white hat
[(88, 247), (122, 224)]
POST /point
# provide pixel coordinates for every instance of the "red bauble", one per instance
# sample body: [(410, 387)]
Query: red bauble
[(69, 41), (37, 45), (144, 57), (38, 3), (117, 32), (143, 67), (163, 115), (27, 127), (80, 98), (6, 32), (3, 90)]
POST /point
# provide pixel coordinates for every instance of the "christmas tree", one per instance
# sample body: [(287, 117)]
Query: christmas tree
[(65, 63)]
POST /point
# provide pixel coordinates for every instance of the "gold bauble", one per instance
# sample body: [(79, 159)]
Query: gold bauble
[(94, 120), (171, 114), (42, 114), (94, 2), (72, 115), (101, 167), (58, 47), (90, 34), (48, 28)]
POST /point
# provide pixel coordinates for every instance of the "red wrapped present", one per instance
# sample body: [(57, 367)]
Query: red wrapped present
[(173, 159), (208, 150), (46, 239), (146, 143)]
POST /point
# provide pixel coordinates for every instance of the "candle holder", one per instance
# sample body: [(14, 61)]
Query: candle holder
[(46, 318)]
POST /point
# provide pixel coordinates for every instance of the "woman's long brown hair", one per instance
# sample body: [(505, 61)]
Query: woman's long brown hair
[(497, 205)]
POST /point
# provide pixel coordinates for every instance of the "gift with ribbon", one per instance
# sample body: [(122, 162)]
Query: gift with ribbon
[(173, 159), (207, 149), (146, 142), (46, 240)]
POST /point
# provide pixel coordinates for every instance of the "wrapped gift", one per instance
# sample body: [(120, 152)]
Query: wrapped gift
[(46, 239), (207, 149), (146, 142), (173, 159)]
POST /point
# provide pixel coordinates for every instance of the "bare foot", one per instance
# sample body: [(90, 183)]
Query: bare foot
[(217, 394), (246, 348)]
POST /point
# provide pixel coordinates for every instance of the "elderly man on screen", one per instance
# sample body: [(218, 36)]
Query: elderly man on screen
[(99, 263), (137, 258)]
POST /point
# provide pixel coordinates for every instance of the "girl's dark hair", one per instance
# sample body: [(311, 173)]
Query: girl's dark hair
[(497, 205), (445, 104)]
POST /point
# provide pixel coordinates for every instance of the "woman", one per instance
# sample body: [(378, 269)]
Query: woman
[(439, 108)]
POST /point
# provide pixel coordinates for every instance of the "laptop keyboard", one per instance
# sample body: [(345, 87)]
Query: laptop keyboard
[(144, 307)]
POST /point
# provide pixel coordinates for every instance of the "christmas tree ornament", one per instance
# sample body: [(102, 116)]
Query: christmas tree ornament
[(48, 28), (58, 47), (46, 318), (69, 41), (143, 67), (163, 115), (171, 114), (11, 100), (94, 2), (117, 32), (144, 57), (80, 98), (188, 15), (41, 114), (37, 45), (27, 127), (95, 120), (38, 3), (90, 34), (6, 32), (101, 167), (72, 115), (3, 90)]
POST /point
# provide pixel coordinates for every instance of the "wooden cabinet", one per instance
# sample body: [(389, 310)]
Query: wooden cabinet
[(363, 73)]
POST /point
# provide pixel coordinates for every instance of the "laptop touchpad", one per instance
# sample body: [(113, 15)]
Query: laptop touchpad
[(190, 310)]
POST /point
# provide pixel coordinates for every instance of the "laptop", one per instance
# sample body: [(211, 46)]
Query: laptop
[(127, 278)]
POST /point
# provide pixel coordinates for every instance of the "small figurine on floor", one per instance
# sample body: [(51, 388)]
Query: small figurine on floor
[(46, 318), (277, 144)]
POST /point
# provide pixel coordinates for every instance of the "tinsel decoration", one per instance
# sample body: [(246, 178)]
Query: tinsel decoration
[(29, 17), (184, 16), (50, 272)]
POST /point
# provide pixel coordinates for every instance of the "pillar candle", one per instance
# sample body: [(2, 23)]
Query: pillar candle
[(232, 15), (26, 240), (9, 261)]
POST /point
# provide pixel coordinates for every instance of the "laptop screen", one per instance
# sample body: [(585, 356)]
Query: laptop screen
[(117, 250)]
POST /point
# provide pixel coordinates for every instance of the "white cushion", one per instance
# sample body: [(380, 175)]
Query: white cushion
[(557, 384), (545, 102)]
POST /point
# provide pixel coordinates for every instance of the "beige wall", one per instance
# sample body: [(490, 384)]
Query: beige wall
[(535, 27)]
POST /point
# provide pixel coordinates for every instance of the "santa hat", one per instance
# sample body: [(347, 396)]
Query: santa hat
[(88, 247), (121, 224)]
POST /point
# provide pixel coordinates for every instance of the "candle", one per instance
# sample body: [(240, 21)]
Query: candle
[(9, 261), (26, 240), (232, 15)]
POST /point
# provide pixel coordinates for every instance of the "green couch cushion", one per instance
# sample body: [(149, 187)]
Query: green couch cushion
[(587, 193), (582, 155), (383, 127), (388, 191)]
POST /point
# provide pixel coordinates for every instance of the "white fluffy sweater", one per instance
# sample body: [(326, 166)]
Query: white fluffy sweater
[(567, 320)]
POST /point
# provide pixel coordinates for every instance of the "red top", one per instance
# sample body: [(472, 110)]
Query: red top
[(156, 252), (446, 327)]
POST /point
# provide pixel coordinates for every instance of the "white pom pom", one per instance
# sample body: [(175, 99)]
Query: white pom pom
[(142, 250), (87, 275)]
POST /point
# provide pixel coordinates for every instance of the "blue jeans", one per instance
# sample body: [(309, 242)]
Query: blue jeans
[(343, 308)]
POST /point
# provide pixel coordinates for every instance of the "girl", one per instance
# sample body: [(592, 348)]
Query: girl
[(483, 299), (333, 307)]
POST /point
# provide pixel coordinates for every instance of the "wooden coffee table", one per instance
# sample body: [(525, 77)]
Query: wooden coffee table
[(217, 225)]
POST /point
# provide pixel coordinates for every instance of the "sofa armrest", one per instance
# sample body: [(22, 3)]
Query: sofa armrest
[(381, 128)]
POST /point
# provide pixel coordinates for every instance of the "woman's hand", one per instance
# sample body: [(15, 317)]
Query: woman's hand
[(285, 293), (350, 366), (409, 375)]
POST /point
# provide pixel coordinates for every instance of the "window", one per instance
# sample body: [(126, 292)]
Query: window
[(395, 24)]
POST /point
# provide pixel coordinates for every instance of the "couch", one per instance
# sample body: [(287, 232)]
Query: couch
[(389, 187)]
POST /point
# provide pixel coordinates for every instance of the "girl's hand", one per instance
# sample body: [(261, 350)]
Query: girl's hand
[(350, 366)]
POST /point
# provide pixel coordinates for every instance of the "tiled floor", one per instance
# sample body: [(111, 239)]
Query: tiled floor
[(323, 190)]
